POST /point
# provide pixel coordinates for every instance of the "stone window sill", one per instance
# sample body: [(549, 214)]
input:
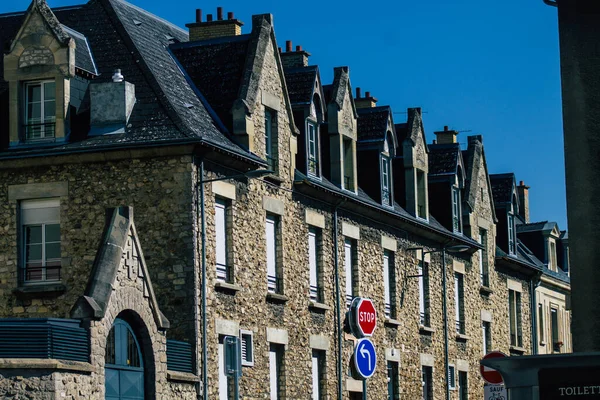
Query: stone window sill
[(461, 337), (277, 298), (177, 376), (227, 287), (517, 349), (393, 323), (316, 306), (46, 364), (40, 289), (485, 290), (426, 330), (273, 179)]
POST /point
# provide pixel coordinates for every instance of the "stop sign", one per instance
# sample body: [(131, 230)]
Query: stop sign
[(488, 374), (364, 317)]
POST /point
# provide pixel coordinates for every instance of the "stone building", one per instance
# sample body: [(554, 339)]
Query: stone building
[(135, 232)]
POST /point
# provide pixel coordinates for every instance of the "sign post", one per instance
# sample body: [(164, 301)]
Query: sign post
[(363, 321)]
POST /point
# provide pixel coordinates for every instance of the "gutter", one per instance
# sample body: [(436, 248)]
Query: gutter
[(533, 284), (196, 285)]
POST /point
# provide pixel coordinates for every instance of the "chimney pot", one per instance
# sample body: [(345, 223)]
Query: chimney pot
[(288, 45), (445, 128), (358, 93), (198, 15), (367, 94), (117, 76), (521, 183), (298, 48), (208, 17), (230, 15), (220, 13), (279, 48)]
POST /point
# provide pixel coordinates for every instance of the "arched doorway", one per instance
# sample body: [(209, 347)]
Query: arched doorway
[(124, 366)]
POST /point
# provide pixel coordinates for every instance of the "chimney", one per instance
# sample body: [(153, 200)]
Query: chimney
[(523, 201), (446, 136), (213, 29), (111, 105), (294, 59), (364, 102)]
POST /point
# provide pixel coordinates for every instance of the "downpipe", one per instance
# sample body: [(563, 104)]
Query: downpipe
[(337, 300)]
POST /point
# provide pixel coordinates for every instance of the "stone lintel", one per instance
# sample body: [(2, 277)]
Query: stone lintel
[(462, 365), (177, 376), (389, 243), (315, 219), (227, 327), (392, 355), (427, 360), (351, 231), (353, 385), (319, 342), (38, 190), (279, 336), (273, 205), (514, 285), (271, 101), (486, 316), (458, 266), (224, 189)]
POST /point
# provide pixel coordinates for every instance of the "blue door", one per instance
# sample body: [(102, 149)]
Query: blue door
[(124, 367)]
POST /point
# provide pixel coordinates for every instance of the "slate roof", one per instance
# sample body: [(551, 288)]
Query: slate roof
[(443, 159), (401, 131), (84, 59), (536, 226), (502, 187), (301, 84), (216, 67), (373, 123), (167, 110), (524, 257)]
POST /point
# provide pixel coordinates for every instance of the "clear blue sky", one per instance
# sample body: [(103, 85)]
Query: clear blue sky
[(489, 67)]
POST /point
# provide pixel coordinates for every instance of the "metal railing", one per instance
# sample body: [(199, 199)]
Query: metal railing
[(33, 274), (424, 319), (39, 131), (348, 183), (386, 199), (224, 273), (460, 327), (313, 166), (274, 284), (485, 279)]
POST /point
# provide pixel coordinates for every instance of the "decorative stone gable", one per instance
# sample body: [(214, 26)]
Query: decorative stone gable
[(131, 271), (41, 51)]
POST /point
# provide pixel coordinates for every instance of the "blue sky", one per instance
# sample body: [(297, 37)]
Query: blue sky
[(487, 67)]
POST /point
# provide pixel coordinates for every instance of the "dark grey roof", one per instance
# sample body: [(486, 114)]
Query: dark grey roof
[(443, 159), (543, 226), (373, 123), (301, 84), (216, 67), (564, 235), (84, 59), (502, 187), (523, 257)]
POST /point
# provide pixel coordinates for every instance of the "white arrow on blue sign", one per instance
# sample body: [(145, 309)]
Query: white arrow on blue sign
[(365, 358)]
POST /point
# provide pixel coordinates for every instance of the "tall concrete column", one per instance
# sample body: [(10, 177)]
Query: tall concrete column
[(579, 25)]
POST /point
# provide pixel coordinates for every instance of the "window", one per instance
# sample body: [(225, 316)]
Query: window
[(223, 379), (421, 195), (463, 386), (556, 343), (423, 273), (393, 381), (456, 225), (274, 273), (315, 265), (276, 379), (386, 181), (312, 138), (541, 321), (350, 269), (40, 110), (483, 259), (318, 374), (247, 344), (552, 265), (348, 164), (389, 283), (512, 242), (271, 143), (459, 302), (222, 233), (514, 304), (40, 230), (487, 337), (451, 377), (427, 382)]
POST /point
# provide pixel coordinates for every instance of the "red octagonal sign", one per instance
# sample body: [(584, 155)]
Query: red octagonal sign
[(488, 374), (365, 317)]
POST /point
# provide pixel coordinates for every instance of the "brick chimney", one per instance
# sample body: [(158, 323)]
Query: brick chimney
[(294, 59), (446, 136), (213, 29), (364, 102), (523, 201)]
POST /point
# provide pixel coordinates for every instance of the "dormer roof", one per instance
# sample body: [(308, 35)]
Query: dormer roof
[(503, 188), (301, 84), (445, 159), (341, 89), (544, 227), (374, 124), (474, 158)]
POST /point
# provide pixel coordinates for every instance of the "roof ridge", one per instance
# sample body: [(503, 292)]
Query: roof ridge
[(154, 16)]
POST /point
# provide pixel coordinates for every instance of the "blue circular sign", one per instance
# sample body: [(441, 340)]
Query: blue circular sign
[(365, 358)]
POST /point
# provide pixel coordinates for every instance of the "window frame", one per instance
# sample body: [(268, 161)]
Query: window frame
[(515, 317), (386, 181), (421, 188), (555, 329), (43, 121), (423, 274), (512, 237), (348, 161), (318, 374), (393, 369), (456, 210), (224, 271), (451, 377), (313, 162), (271, 139), (315, 264), (486, 328), (389, 284), (463, 385), (274, 269), (276, 381), (350, 268), (427, 382), (484, 270), (244, 335), (459, 302)]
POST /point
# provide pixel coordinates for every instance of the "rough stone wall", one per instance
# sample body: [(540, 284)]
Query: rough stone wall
[(160, 191), (40, 384)]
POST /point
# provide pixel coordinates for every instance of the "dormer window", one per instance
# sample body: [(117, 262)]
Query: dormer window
[(348, 163), (40, 110), (512, 245), (421, 195), (552, 264), (386, 181), (456, 225), (271, 144), (312, 145)]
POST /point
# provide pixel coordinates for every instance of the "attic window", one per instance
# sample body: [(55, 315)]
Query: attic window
[(137, 23)]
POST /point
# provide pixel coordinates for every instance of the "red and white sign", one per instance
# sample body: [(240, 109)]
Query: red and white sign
[(488, 374), (365, 317)]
